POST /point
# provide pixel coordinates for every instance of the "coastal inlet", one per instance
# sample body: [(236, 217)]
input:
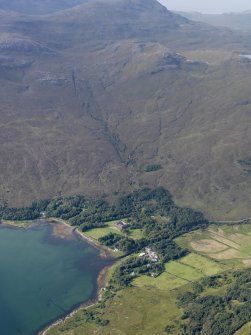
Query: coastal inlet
[(46, 271)]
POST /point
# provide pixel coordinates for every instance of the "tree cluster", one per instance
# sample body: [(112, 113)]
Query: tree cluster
[(134, 267), (219, 314)]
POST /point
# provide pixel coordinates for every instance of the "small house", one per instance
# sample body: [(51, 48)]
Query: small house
[(152, 255), (121, 224)]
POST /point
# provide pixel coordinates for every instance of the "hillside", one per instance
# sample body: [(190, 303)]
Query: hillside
[(37, 7), (235, 21), (115, 94)]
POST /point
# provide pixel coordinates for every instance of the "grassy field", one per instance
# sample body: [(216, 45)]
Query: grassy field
[(206, 266), (149, 305), (165, 281), (101, 232), (112, 228), (245, 330), (183, 271), (226, 244), (135, 310), (136, 234), (178, 273)]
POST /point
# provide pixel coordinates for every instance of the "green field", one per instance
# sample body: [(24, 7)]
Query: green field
[(101, 232), (183, 271), (178, 273), (245, 330), (136, 234), (165, 281), (112, 228), (150, 305), (228, 244), (203, 264), (135, 310)]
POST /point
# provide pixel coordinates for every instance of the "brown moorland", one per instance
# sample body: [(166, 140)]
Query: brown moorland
[(112, 95)]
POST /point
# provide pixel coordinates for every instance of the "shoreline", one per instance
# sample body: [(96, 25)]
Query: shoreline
[(102, 282), (13, 225), (104, 252), (74, 231)]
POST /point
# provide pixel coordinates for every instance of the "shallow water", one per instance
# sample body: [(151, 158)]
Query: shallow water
[(43, 277)]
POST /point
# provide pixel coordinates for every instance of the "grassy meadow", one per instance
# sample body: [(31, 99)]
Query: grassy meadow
[(245, 330), (150, 305), (97, 233), (228, 244), (134, 310)]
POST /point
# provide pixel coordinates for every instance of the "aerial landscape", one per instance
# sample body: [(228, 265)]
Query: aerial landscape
[(125, 174)]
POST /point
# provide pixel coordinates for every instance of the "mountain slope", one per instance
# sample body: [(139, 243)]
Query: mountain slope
[(37, 7), (112, 95), (106, 21), (235, 21)]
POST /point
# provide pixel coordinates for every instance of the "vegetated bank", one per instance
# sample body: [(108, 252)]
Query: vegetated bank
[(143, 209), (142, 227)]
